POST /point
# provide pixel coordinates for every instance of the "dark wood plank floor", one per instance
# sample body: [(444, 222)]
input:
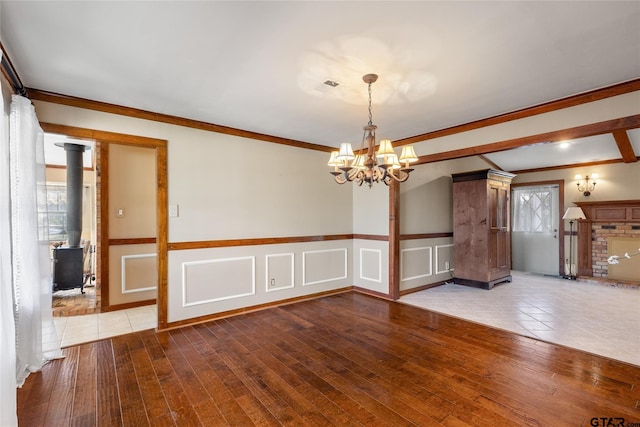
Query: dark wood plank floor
[(347, 359)]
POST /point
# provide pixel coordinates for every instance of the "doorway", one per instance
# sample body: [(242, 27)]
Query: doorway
[(536, 228), (154, 257)]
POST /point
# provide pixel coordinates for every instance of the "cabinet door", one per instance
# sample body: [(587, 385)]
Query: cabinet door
[(499, 246)]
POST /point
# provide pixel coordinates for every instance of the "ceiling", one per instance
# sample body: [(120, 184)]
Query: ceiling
[(261, 66)]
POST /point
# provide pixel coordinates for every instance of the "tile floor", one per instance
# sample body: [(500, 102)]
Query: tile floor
[(593, 317), (90, 327)]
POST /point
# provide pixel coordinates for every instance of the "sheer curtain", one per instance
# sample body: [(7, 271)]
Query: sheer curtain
[(532, 209), (7, 326), (36, 338)]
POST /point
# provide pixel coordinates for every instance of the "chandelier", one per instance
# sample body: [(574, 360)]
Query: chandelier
[(369, 166)]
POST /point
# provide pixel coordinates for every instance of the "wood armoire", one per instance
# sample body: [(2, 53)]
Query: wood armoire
[(481, 230)]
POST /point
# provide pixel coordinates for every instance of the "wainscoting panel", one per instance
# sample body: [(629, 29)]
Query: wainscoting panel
[(444, 259), (280, 272), (139, 273), (208, 281), (324, 266), (371, 265), (415, 263)]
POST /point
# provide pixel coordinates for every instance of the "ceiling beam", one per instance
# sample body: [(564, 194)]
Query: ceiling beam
[(624, 145), (624, 123), (571, 101), (490, 163)]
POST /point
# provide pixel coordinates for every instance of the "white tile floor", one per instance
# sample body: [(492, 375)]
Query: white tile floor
[(90, 327), (592, 317)]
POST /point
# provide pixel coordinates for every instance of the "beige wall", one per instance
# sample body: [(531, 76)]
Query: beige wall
[(228, 187)]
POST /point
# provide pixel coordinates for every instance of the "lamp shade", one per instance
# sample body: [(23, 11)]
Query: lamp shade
[(333, 160), (385, 149), (408, 154), (574, 212), (346, 152)]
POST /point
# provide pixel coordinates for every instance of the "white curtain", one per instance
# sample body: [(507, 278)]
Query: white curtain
[(532, 209), (36, 338), (7, 326)]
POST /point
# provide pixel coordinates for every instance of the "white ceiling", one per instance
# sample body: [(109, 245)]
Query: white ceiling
[(260, 66)]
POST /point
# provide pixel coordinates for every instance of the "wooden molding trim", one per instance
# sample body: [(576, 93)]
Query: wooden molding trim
[(575, 165), (372, 293), (571, 101), (47, 166), (425, 235), (422, 288), (132, 241), (104, 136), (243, 310), (378, 237), (128, 305), (177, 246), (624, 123), (56, 98), (394, 240)]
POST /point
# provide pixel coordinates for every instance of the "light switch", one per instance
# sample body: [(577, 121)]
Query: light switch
[(173, 211), (120, 213)]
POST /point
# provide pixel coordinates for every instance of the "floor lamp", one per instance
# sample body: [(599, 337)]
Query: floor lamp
[(573, 213)]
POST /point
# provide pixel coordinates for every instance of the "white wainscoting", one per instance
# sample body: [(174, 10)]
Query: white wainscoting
[(209, 281), (324, 266), (416, 263), (441, 257), (133, 264), (280, 272), (371, 265)]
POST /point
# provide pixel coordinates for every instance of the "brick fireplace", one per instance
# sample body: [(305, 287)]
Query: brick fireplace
[(608, 223)]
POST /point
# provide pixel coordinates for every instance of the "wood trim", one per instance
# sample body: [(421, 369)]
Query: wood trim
[(624, 145), (624, 123), (575, 165), (127, 305), (571, 101), (103, 245), (204, 244), (250, 309), (422, 288), (72, 101), (490, 163), (425, 235), (561, 232), (162, 219), (86, 169), (378, 237), (394, 240), (104, 136), (372, 293), (132, 241)]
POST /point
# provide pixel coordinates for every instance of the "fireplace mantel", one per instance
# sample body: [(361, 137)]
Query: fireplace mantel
[(609, 211)]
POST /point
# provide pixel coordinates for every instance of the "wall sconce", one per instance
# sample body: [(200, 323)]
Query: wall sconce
[(587, 184)]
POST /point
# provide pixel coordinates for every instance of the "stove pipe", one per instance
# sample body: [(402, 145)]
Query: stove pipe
[(74, 192)]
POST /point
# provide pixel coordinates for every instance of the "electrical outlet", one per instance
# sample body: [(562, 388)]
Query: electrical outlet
[(446, 265), (272, 283), (173, 211), (120, 213)]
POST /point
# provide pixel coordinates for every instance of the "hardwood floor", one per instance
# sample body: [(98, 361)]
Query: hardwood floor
[(346, 359)]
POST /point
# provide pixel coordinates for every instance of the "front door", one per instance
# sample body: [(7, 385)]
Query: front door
[(535, 231)]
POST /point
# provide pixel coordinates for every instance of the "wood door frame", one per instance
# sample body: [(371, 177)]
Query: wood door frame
[(560, 184), (103, 139)]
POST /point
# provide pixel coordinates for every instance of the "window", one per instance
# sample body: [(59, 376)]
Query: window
[(54, 219), (532, 208)]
